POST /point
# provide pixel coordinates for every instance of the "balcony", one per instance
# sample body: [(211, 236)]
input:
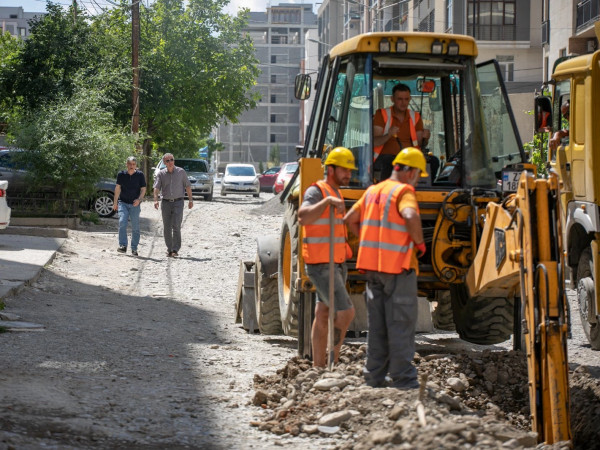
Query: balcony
[(588, 11)]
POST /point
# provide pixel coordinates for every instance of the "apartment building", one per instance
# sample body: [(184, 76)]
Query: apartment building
[(16, 21), (279, 36), (568, 29)]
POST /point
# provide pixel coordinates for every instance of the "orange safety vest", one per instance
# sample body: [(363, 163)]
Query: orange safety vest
[(545, 115), (385, 244), (315, 243), (387, 117)]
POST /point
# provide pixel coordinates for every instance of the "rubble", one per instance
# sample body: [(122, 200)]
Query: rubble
[(475, 399)]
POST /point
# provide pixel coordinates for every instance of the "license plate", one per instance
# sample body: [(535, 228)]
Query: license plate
[(510, 180)]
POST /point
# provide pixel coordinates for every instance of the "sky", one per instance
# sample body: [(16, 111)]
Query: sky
[(96, 5)]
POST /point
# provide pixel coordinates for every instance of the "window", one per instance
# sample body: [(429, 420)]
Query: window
[(273, 118), (273, 78), (273, 98), (273, 59), (273, 138), (507, 66), (449, 17), (491, 20)]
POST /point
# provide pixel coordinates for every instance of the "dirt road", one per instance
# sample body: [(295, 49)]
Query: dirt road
[(143, 352)]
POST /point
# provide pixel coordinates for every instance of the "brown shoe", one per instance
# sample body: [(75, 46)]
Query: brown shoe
[(174, 254)]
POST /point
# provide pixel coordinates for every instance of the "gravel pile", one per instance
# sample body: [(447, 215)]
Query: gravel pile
[(466, 400)]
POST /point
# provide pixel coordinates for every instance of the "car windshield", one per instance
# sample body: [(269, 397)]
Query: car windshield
[(291, 168), (190, 165), (241, 171)]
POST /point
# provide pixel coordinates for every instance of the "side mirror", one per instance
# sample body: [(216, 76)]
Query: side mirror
[(542, 114), (302, 86)]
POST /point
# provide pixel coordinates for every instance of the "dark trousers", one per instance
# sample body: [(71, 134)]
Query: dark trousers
[(392, 315), (172, 216)]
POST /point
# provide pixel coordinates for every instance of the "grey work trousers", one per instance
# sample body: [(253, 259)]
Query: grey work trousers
[(392, 315), (172, 216)]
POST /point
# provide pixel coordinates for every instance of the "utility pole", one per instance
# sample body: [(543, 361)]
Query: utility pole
[(135, 93), (74, 11)]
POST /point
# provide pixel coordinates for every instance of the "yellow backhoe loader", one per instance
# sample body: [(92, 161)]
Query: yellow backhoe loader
[(494, 264)]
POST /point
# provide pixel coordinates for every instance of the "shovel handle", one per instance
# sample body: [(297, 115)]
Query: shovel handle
[(330, 336)]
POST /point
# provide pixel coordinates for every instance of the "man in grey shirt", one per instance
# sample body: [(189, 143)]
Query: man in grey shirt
[(172, 182)]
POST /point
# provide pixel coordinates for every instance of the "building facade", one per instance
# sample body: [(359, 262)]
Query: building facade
[(568, 29), (279, 37), (16, 21)]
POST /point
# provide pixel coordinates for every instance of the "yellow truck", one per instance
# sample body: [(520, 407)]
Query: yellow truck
[(576, 82), (494, 260)]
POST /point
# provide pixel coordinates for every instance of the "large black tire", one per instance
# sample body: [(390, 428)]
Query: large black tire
[(481, 320), (267, 301), (586, 294), (442, 316), (287, 269), (103, 204)]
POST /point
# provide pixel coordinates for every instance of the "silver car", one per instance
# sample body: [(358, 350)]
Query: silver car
[(240, 179)]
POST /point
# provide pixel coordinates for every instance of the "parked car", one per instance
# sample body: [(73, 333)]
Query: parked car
[(102, 203), (267, 178), (240, 179), (284, 176), (201, 179), (4, 209)]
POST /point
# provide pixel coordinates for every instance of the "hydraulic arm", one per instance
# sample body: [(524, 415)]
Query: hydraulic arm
[(523, 252)]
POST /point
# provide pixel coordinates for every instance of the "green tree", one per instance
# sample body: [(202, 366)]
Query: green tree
[(275, 155), (9, 53), (73, 143), (213, 146), (58, 48)]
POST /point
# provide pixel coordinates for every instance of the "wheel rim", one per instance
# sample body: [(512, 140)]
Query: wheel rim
[(103, 205)]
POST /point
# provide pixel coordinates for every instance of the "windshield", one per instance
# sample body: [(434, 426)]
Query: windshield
[(291, 168), (240, 171), (447, 101), (191, 165)]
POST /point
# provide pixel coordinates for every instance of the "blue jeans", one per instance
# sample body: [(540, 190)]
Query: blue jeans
[(128, 211)]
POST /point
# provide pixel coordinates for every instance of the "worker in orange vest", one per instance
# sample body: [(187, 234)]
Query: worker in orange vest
[(386, 219), (313, 215), (395, 128)]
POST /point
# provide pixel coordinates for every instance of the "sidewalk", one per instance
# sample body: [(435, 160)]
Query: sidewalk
[(22, 258)]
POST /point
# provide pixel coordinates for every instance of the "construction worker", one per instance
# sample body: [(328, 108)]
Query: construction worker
[(314, 215), (386, 219), (395, 128)]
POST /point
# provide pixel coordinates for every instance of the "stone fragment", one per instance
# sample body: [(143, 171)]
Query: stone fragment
[(450, 401), (310, 429), (491, 373), (328, 430), (397, 411), (260, 397), (334, 418), (327, 384), (456, 384)]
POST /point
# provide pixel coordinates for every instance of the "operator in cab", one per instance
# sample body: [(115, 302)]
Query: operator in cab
[(395, 128), (314, 215)]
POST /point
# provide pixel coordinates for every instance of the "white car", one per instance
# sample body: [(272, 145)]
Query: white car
[(240, 179), (4, 209)]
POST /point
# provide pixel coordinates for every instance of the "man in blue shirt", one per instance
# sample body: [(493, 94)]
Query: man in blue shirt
[(129, 193)]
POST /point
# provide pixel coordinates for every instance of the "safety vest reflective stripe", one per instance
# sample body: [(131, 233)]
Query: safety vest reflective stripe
[(322, 240), (391, 226), (315, 243), (336, 221), (385, 244), (387, 117)]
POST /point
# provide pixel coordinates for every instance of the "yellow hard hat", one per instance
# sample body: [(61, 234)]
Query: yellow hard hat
[(412, 157), (341, 156)]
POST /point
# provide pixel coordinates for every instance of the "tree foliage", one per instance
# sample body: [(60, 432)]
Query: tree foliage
[(68, 87), (72, 143)]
